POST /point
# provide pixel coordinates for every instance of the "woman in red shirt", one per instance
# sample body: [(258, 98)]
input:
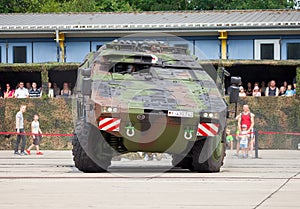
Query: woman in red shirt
[(9, 93)]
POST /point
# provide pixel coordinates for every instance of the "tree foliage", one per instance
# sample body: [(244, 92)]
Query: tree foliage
[(43, 6)]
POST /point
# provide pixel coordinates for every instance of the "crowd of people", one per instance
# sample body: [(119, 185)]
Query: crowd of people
[(31, 90), (260, 89)]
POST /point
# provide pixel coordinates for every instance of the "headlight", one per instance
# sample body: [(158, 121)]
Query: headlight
[(107, 109), (210, 115)]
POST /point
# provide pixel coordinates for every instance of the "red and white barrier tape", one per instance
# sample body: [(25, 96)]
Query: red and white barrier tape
[(278, 133), (259, 132), (30, 134)]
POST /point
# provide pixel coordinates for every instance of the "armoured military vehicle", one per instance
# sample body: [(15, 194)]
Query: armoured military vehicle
[(147, 96)]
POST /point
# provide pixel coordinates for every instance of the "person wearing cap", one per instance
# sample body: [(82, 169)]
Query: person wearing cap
[(246, 118), (256, 92), (242, 92)]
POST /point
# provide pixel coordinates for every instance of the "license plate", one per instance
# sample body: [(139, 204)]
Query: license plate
[(181, 114)]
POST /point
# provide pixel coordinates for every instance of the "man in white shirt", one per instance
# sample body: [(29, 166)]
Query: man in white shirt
[(21, 92)]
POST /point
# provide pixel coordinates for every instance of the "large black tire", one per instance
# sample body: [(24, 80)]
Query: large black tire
[(208, 155), (90, 150), (182, 162)]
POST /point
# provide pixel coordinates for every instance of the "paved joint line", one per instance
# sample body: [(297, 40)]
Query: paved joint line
[(277, 190)]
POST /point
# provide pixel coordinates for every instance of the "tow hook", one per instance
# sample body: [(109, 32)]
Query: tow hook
[(130, 130), (188, 133)]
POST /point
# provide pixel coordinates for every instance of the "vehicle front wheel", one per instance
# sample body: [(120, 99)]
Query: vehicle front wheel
[(90, 150), (208, 155)]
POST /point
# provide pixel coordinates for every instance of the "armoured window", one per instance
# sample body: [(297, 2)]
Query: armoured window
[(98, 47), (293, 51), (185, 46), (19, 54), (267, 51)]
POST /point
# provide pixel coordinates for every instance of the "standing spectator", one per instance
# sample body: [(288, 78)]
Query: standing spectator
[(70, 86), (256, 92), (282, 91), (28, 86), (294, 84), (20, 130), (65, 92), (289, 92), (256, 84), (242, 92), (1, 92), (272, 90), (249, 89), (244, 135), (56, 89), (50, 90), (246, 118), (34, 91), (262, 88), (9, 93), (21, 92), (285, 84), (229, 139), (36, 130)]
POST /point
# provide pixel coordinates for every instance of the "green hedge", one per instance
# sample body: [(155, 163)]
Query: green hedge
[(272, 114), (55, 117)]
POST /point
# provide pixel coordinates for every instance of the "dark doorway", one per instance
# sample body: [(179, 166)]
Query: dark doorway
[(13, 78), (259, 73), (60, 77)]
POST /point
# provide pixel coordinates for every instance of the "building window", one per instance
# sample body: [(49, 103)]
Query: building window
[(293, 51), (267, 49), (19, 54)]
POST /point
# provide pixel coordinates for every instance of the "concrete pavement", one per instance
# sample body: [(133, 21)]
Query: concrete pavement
[(52, 181)]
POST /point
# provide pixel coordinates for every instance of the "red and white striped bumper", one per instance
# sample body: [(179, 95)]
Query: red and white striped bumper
[(207, 129), (109, 124)]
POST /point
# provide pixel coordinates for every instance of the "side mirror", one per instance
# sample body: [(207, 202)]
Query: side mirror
[(86, 86), (236, 80), (234, 94), (86, 72)]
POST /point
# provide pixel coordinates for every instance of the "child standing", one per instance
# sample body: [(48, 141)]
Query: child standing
[(229, 139), (35, 129), (244, 141)]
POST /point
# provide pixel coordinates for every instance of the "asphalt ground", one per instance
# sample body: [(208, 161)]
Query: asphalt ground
[(52, 181)]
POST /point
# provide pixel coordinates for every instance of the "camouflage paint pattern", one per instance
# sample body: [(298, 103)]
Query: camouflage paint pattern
[(165, 81)]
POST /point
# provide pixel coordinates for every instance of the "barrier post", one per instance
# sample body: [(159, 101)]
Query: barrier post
[(256, 143)]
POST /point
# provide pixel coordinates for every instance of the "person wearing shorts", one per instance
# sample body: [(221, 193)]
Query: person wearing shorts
[(36, 135), (229, 139), (247, 118), (244, 136)]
